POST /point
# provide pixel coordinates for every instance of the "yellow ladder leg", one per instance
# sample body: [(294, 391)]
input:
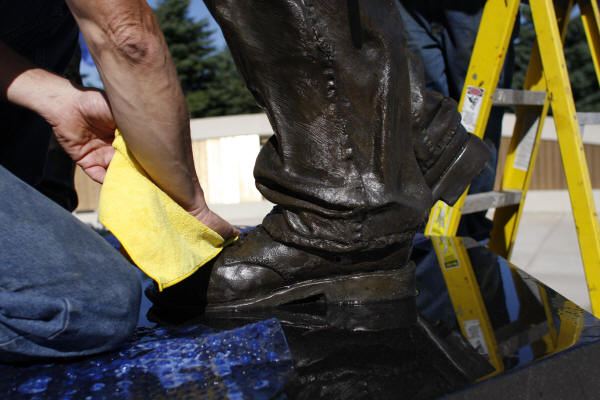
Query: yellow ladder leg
[(518, 169), (466, 298), (489, 52), (572, 322), (523, 149), (591, 24), (551, 338), (571, 145)]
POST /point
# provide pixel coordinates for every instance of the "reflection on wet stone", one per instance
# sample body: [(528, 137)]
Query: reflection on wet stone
[(375, 365)]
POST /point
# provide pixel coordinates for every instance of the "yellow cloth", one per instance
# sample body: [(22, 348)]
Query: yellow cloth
[(161, 238)]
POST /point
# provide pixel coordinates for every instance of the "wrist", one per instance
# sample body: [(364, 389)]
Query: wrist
[(55, 99), (45, 93), (196, 204)]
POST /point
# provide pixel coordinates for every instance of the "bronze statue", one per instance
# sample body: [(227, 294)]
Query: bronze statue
[(360, 153)]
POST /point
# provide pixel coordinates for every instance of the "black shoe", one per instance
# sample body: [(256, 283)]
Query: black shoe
[(258, 272)]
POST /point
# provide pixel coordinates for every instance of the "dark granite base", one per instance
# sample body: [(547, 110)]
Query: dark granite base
[(572, 374)]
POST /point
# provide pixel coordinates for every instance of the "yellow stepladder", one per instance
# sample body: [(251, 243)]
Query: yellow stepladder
[(547, 78), (550, 28), (524, 145)]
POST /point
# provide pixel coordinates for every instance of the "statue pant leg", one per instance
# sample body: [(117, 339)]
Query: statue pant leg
[(351, 180), (341, 163)]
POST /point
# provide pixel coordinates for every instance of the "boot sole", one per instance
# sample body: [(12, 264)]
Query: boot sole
[(316, 315), (463, 169), (360, 288)]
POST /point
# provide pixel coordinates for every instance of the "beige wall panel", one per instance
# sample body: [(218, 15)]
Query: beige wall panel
[(88, 191), (548, 173), (201, 162), (224, 167)]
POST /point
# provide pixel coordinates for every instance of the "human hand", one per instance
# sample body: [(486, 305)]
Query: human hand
[(83, 123), (85, 128), (81, 118)]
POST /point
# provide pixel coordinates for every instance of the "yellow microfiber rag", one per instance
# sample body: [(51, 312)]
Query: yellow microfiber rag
[(161, 238)]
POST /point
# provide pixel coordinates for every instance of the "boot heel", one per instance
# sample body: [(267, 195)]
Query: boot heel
[(371, 287), (462, 170)]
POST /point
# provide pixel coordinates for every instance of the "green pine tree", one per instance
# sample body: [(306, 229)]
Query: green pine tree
[(209, 80), (226, 93), (523, 45), (579, 62), (190, 44), (581, 68)]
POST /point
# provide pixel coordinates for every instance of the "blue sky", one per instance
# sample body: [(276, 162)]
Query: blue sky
[(197, 11)]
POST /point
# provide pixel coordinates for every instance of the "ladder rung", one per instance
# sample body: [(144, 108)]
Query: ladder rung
[(470, 243), (588, 118), (484, 201), (524, 335), (510, 97)]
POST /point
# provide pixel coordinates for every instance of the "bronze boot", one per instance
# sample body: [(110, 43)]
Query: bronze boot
[(351, 179)]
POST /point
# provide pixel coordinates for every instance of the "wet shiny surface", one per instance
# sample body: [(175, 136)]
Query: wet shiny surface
[(249, 362), (474, 317)]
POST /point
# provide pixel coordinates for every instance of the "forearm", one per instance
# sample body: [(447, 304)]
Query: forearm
[(141, 84), (23, 84)]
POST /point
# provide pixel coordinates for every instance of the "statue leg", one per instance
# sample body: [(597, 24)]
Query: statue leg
[(359, 155)]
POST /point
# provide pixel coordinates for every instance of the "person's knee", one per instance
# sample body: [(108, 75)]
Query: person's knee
[(41, 323), (127, 295), (103, 320)]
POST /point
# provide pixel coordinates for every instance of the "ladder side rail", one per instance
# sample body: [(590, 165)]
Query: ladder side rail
[(551, 338), (493, 38), (570, 143), (590, 17), (571, 324)]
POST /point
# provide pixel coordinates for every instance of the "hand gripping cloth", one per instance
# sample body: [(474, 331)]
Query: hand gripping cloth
[(161, 238)]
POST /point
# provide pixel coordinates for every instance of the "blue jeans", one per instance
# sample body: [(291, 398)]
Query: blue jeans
[(442, 33), (64, 291)]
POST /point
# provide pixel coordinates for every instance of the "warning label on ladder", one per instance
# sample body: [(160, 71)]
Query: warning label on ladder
[(447, 254), (472, 329), (525, 148), (441, 215), (471, 107)]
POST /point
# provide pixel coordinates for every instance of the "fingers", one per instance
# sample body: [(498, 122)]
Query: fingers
[(95, 164), (96, 173)]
